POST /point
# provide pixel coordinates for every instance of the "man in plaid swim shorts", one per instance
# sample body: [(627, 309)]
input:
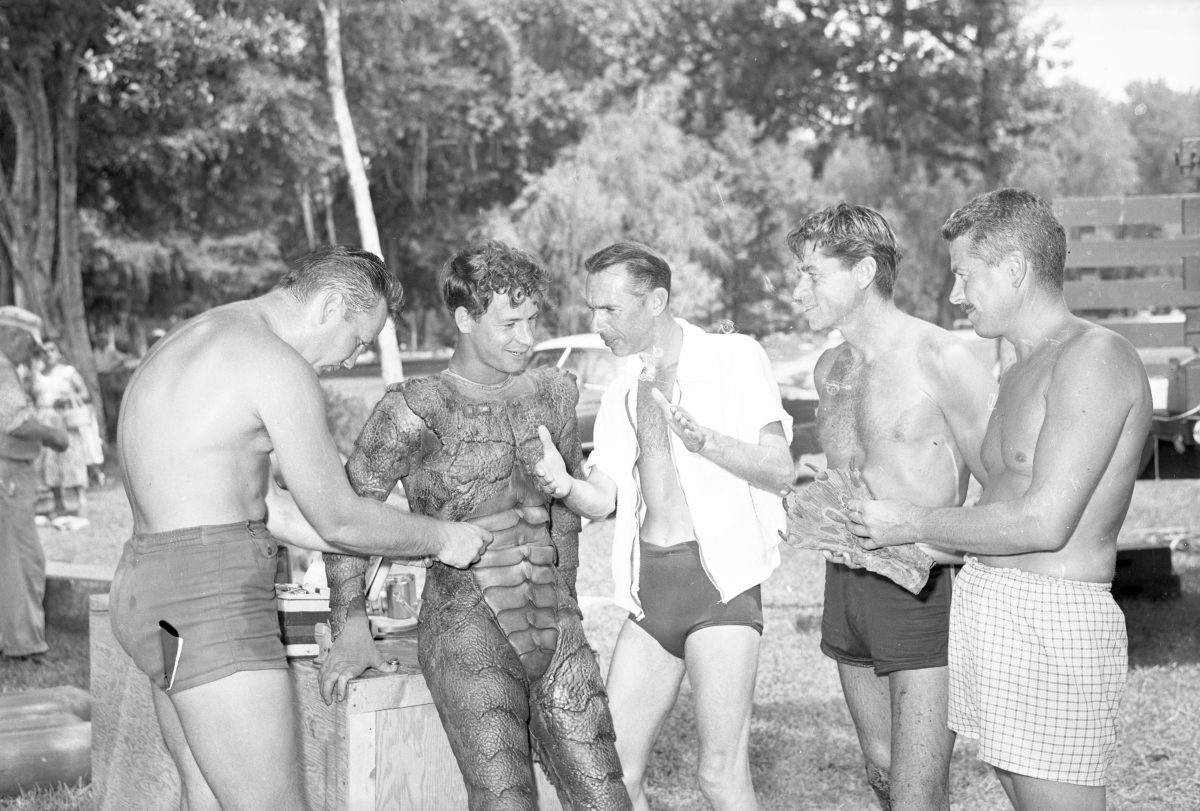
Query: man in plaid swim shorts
[(1037, 645)]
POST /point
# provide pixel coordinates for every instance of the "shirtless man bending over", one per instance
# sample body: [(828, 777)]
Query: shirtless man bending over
[(904, 402), (694, 442), (1037, 644), (199, 421)]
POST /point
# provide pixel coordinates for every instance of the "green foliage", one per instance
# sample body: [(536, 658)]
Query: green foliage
[(1088, 151), (718, 213), (173, 277), (1158, 118), (197, 123)]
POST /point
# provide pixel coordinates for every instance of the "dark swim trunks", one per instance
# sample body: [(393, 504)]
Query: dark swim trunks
[(215, 585), (869, 621), (679, 599)]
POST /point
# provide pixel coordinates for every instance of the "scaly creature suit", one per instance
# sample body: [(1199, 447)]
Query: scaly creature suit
[(501, 644)]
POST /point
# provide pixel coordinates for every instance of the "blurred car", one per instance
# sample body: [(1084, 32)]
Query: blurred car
[(594, 366)]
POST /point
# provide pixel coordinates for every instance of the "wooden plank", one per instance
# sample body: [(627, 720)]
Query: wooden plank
[(1151, 209), (1146, 334), (1191, 273), (1191, 214), (57, 569), (1120, 294), (1121, 253), (417, 769), (360, 762)]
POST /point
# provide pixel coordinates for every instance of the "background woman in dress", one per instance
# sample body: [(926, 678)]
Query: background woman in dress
[(63, 399)]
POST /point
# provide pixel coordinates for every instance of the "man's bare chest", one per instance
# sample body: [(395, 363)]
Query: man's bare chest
[(866, 404), (1016, 420)]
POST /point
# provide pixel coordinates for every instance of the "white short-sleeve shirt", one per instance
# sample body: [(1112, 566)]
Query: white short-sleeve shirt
[(725, 383)]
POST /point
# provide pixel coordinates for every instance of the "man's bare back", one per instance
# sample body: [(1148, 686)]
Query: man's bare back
[(1021, 429), (191, 439), (894, 416)]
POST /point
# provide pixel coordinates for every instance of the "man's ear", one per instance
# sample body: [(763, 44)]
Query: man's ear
[(864, 272), (1016, 265), (333, 305), (658, 300), (463, 320)]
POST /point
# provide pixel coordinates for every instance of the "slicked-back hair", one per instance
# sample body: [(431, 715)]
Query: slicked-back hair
[(358, 275), (490, 268), (1008, 220), (850, 234), (645, 270)]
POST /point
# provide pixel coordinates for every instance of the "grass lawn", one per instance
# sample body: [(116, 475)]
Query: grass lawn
[(804, 750)]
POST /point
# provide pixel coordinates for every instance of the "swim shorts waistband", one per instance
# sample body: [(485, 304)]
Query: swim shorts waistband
[(207, 533), (1023, 576), (685, 548)]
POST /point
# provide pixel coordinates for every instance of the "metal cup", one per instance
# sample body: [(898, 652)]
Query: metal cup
[(401, 596)]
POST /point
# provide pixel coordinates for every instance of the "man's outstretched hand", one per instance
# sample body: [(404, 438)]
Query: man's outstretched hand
[(551, 473), (352, 653), (693, 434)]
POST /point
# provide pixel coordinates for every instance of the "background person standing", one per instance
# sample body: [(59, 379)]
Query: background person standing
[(22, 435), (63, 399)]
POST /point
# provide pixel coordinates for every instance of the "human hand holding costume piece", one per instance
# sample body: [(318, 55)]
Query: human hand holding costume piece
[(463, 544), (693, 434), (353, 652), (882, 523), (552, 476)]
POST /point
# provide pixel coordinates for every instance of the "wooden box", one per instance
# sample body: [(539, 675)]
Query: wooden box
[(383, 748)]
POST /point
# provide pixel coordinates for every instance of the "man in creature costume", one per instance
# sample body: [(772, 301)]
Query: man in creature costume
[(501, 644)]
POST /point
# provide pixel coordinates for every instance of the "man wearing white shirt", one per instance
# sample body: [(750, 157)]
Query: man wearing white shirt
[(692, 450)]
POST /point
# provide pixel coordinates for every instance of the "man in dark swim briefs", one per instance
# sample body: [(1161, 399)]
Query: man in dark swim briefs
[(692, 448), (200, 419)]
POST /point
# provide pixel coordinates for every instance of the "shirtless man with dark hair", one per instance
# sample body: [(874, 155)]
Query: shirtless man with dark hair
[(200, 420), (1038, 651), (905, 403)]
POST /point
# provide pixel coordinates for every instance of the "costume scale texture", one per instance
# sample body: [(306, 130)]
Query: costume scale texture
[(501, 644)]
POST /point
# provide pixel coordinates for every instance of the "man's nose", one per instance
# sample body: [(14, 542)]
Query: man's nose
[(956, 292), (524, 334), (349, 362), (803, 288), (596, 321)]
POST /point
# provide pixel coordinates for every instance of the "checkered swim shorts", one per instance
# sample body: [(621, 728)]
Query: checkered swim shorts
[(1037, 668)]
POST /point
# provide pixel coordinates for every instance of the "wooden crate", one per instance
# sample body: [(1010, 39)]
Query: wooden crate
[(383, 748)]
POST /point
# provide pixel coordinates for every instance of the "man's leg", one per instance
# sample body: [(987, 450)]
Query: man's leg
[(869, 700), (643, 682), (1033, 794), (195, 793), (22, 563), (722, 663), (238, 735), (921, 740)]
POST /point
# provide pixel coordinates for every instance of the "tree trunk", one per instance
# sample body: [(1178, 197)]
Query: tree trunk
[(304, 192), (68, 276), (389, 349)]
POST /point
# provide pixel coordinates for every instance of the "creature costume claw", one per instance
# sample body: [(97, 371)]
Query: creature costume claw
[(501, 644)]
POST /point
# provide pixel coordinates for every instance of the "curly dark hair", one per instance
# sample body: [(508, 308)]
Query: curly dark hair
[(488, 268)]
